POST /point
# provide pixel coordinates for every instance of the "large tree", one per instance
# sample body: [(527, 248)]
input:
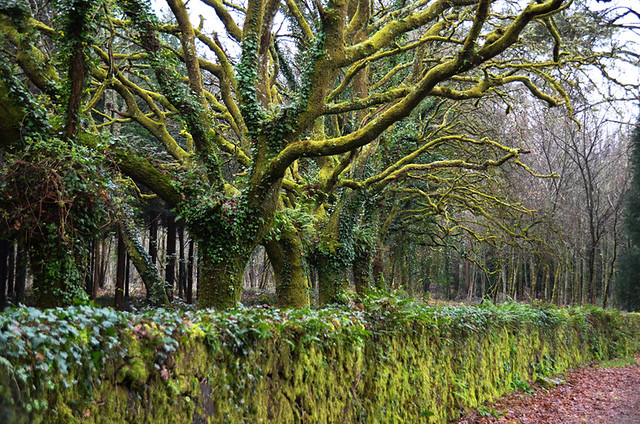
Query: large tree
[(279, 110)]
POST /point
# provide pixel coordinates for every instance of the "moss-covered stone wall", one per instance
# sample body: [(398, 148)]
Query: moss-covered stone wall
[(382, 362)]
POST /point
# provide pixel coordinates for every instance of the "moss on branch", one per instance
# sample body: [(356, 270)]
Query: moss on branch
[(143, 172)]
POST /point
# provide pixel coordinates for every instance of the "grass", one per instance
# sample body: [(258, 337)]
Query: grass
[(627, 361)]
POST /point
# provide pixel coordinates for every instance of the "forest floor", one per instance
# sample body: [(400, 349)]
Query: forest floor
[(606, 393)]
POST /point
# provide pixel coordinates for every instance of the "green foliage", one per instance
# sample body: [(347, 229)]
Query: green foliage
[(57, 349), (483, 411), (521, 385), (301, 220), (35, 119), (54, 195), (246, 75), (220, 225), (78, 22)]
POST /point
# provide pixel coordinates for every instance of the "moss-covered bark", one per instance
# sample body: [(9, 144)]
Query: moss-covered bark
[(287, 259), (362, 270), (11, 116), (147, 269), (332, 279), (57, 274), (220, 284)]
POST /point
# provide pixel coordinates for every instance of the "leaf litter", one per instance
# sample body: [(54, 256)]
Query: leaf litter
[(600, 394)]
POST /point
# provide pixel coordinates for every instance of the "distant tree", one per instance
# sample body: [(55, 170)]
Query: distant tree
[(629, 268)]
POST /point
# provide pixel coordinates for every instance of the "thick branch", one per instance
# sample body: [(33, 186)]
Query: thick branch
[(230, 25)]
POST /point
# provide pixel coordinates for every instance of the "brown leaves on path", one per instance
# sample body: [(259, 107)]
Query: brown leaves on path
[(592, 395)]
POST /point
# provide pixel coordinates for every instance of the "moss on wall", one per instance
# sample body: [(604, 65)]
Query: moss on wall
[(387, 363)]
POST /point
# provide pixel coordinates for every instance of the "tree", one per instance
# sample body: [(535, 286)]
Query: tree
[(248, 125), (628, 283)]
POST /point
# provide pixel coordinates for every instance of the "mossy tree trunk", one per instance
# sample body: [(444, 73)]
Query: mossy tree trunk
[(332, 279), (378, 266), (362, 269), (220, 284), (189, 287), (57, 280), (227, 235), (4, 256), (120, 272), (333, 256), (287, 259), (145, 266), (170, 268)]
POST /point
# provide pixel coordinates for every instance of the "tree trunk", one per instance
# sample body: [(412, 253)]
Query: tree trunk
[(120, 268), (146, 268), (77, 71), (220, 284), (378, 266), (97, 248), (90, 274), (197, 258), (332, 279), (591, 275), (504, 276), (105, 253), (189, 294), (11, 270), (57, 278), (533, 278), (170, 269), (362, 268), (566, 283), (556, 284), (608, 277), (520, 277), (472, 282), (584, 282), (4, 257), (226, 246), (153, 240), (287, 259), (182, 277), (127, 275)]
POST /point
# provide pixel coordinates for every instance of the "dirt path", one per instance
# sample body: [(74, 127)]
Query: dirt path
[(592, 395)]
